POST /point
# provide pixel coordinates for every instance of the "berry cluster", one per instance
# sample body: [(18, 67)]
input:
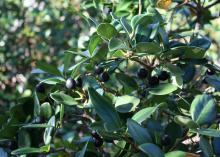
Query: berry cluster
[(103, 74), (153, 80)]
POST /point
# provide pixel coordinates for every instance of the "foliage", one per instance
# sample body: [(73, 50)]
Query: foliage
[(141, 85)]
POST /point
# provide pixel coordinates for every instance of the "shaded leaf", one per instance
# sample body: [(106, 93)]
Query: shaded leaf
[(105, 109), (137, 132)]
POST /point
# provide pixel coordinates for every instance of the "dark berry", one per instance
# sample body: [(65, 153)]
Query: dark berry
[(204, 81), (40, 88), (70, 83), (153, 81), (210, 72), (98, 142), (98, 70), (164, 75), (142, 73), (105, 77), (79, 82), (165, 140), (95, 134)]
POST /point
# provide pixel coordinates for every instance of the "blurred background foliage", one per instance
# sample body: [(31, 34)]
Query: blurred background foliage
[(42, 30)]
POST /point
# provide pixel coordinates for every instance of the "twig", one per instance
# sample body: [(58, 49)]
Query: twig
[(140, 7), (211, 5)]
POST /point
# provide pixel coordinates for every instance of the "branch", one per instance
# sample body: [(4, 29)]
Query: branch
[(211, 5), (140, 7)]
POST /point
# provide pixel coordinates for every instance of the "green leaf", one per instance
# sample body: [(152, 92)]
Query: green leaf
[(207, 132), (137, 132), (93, 43), (67, 60), (163, 89), (206, 147), (203, 109), (126, 103), (82, 152), (105, 109), (36, 105), (190, 52), (24, 139), (185, 121), (148, 48), (46, 110), (126, 25), (53, 80), (62, 98), (216, 144), (203, 43), (116, 44), (30, 150), (48, 131), (126, 80), (51, 69), (36, 126), (193, 52), (179, 154), (214, 82), (151, 150), (141, 20), (143, 114), (106, 31), (75, 68)]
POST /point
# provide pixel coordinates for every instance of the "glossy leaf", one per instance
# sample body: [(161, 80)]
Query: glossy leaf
[(106, 30), (143, 114), (137, 132), (208, 132), (82, 152), (151, 150), (203, 109), (148, 48), (163, 89), (62, 98), (48, 131), (105, 109), (126, 103), (48, 68), (46, 110), (116, 44), (30, 150), (185, 121), (216, 144), (180, 154), (93, 43), (203, 43), (206, 147)]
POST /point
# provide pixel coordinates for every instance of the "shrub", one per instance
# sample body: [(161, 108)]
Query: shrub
[(136, 90)]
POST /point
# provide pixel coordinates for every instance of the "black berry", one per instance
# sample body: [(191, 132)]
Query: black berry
[(153, 81), (164, 75), (40, 88), (142, 73), (204, 81), (70, 83), (98, 70), (165, 140), (95, 134), (98, 142), (79, 82), (105, 77), (210, 72)]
